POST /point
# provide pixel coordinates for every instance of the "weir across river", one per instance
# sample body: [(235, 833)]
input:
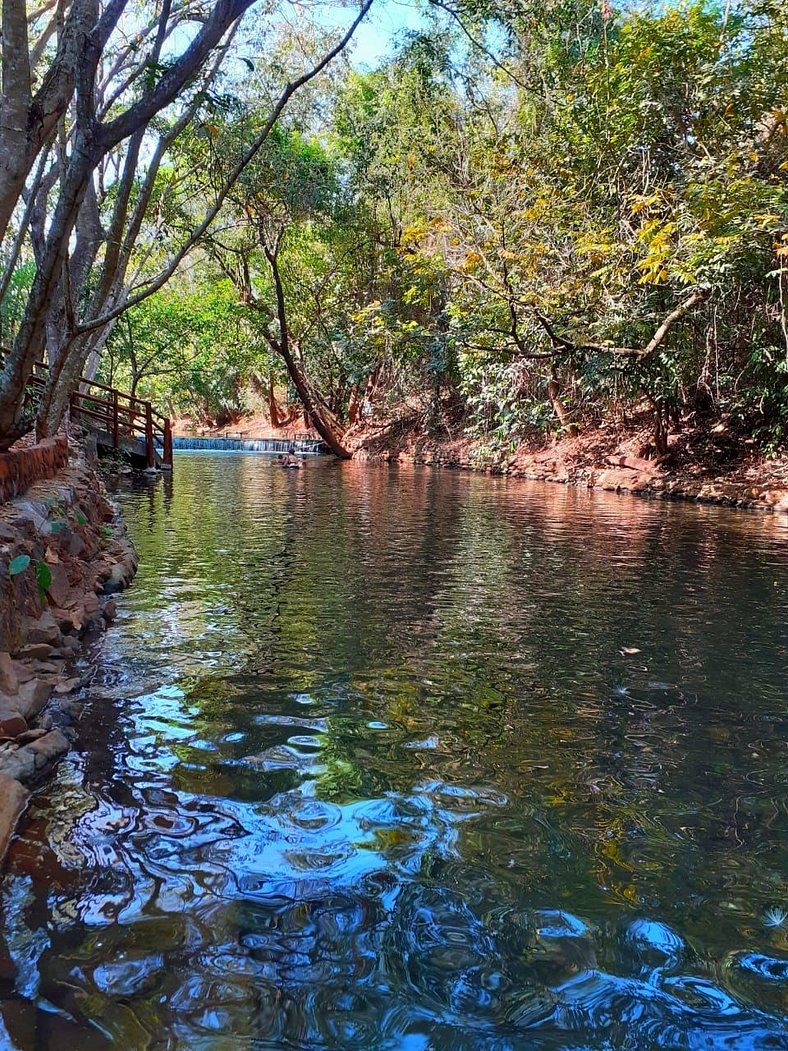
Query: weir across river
[(304, 444)]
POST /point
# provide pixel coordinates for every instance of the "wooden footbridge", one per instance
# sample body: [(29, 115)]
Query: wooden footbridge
[(120, 422)]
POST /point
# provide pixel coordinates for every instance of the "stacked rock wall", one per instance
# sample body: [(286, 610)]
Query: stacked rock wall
[(63, 553)]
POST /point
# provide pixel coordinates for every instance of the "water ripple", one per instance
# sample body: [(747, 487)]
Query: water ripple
[(409, 761)]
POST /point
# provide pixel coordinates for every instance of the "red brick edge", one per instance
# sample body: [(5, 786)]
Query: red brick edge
[(19, 468)]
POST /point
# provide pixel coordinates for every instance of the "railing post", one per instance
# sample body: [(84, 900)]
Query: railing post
[(115, 422), (150, 453), (167, 443)]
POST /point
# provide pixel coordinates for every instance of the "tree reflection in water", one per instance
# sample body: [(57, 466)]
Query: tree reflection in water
[(402, 759)]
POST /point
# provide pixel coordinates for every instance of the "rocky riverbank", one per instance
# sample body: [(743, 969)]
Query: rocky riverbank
[(64, 553), (707, 463)]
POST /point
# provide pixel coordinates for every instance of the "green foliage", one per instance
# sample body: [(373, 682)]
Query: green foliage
[(490, 229), (12, 305), (187, 349), (43, 578), (18, 565), (653, 164), (43, 573)]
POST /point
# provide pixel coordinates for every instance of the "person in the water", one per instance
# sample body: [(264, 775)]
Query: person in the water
[(291, 460)]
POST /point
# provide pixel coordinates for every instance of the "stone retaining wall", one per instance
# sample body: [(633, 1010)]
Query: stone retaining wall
[(72, 554), (20, 468)]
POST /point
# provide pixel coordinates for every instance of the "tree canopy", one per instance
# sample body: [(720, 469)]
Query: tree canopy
[(98, 99), (526, 218)]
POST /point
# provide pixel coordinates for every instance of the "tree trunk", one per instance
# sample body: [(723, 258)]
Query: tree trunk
[(660, 427), (65, 375), (21, 143), (29, 343), (274, 412), (372, 388), (554, 394), (328, 429), (14, 108), (354, 404)]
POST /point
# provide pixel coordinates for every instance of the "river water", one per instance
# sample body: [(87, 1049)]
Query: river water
[(402, 759)]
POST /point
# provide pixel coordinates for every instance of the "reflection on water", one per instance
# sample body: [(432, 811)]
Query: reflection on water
[(408, 760)]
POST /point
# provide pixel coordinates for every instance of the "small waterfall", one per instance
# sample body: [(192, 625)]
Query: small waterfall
[(271, 446)]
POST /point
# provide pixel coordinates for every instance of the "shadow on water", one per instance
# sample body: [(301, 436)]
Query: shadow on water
[(384, 758)]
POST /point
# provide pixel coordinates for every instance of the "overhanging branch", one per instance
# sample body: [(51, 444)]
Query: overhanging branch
[(637, 353), (164, 276)]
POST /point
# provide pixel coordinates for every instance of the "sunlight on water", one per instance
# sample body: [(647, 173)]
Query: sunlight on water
[(395, 759)]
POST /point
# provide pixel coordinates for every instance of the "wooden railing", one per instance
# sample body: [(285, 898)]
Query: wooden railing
[(119, 415), (123, 416)]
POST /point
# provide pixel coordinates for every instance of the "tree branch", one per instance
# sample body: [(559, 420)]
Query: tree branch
[(638, 353), (223, 14), (232, 178), (479, 45)]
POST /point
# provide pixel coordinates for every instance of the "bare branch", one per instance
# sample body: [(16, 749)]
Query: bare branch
[(639, 354), (233, 177), (223, 14), (479, 45)]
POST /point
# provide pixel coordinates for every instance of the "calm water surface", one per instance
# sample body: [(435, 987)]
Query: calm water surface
[(399, 759)]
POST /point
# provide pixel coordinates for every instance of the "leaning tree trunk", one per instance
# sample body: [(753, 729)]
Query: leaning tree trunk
[(324, 422), (328, 428)]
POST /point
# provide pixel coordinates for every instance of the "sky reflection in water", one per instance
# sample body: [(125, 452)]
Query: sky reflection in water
[(400, 759)]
